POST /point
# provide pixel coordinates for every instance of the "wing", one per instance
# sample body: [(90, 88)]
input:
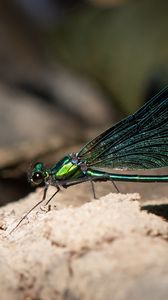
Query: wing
[(139, 141)]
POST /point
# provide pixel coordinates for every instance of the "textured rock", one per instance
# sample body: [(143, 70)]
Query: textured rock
[(103, 249)]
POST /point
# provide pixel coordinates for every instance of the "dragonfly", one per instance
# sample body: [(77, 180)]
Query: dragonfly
[(138, 142)]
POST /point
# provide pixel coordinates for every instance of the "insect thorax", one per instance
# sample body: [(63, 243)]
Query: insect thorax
[(68, 167)]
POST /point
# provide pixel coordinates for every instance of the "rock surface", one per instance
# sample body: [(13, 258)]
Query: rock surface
[(108, 248)]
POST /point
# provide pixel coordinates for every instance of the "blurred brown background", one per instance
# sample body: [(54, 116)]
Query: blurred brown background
[(70, 69)]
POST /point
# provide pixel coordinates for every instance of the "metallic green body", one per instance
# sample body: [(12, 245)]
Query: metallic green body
[(66, 172), (138, 142), (64, 169), (127, 177)]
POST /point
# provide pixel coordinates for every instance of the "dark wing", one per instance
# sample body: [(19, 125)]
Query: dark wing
[(139, 141)]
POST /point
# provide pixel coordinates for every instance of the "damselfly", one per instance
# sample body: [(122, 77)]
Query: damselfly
[(137, 142)]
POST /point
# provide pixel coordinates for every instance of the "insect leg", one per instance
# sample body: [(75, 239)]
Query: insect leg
[(115, 186), (93, 189), (58, 189), (37, 204)]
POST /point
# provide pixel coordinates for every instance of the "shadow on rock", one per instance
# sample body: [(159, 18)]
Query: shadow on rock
[(160, 210)]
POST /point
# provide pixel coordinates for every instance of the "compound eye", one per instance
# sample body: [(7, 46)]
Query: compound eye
[(37, 178)]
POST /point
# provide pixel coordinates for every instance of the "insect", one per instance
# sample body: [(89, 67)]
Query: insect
[(137, 142)]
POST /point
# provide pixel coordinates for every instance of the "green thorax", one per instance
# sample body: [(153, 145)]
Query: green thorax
[(65, 169)]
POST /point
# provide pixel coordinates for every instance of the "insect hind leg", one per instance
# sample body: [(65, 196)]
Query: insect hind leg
[(115, 186), (93, 189)]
